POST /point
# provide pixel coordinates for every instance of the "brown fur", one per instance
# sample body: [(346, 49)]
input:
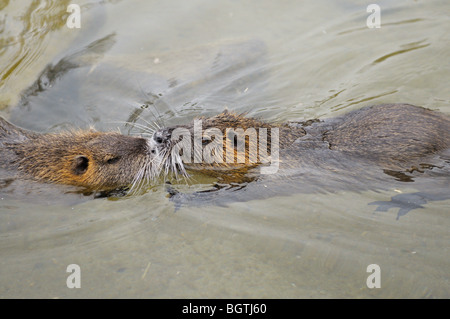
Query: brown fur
[(393, 136), (89, 159), (227, 171)]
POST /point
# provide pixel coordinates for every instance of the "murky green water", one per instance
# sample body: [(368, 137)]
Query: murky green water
[(175, 60)]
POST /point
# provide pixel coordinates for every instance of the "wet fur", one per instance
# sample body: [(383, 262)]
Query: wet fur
[(392, 136), (85, 158)]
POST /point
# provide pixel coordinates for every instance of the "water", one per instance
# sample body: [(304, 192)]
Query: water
[(176, 60)]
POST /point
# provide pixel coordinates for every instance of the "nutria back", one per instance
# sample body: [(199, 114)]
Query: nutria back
[(392, 135), (10, 135)]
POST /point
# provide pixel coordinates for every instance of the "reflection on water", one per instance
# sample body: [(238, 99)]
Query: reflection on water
[(25, 35), (170, 62), (407, 47)]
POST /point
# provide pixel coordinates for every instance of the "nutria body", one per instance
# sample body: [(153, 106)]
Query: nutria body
[(394, 137), (85, 158)]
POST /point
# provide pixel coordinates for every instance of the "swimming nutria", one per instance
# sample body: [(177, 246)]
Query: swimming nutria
[(85, 158), (396, 137)]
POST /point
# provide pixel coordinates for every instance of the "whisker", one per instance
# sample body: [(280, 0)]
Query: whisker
[(158, 117), (141, 126), (141, 134), (149, 123)]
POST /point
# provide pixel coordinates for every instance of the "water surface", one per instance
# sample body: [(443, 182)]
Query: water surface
[(171, 61)]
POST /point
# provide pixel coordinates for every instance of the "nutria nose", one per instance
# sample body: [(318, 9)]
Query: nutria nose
[(162, 136)]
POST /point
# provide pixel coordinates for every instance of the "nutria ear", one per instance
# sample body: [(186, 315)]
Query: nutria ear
[(80, 165)]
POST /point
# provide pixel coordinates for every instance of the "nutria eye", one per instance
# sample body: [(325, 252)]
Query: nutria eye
[(113, 160), (80, 165), (159, 139)]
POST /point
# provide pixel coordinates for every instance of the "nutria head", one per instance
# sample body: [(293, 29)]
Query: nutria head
[(89, 159), (227, 142)]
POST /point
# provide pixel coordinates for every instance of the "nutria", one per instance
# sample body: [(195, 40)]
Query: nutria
[(84, 158), (395, 137)]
